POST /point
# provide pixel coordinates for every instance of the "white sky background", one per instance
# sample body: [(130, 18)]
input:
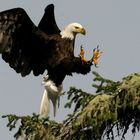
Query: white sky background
[(114, 25)]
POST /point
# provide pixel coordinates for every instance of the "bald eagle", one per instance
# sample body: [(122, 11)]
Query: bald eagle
[(27, 47)]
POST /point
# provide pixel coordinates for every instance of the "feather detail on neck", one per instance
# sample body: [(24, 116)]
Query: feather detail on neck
[(67, 34)]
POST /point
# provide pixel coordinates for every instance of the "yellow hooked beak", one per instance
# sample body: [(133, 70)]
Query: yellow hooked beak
[(82, 31)]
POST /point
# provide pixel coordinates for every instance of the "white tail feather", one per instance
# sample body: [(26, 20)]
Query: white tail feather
[(54, 99), (45, 105), (53, 93)]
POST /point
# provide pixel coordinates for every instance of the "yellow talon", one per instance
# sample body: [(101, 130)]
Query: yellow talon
[(82, 52), (96, 55)]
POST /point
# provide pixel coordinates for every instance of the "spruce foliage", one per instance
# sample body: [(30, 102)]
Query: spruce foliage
[(106, 114)]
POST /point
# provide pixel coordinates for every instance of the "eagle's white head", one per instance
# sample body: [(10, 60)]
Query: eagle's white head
[(71, 30)]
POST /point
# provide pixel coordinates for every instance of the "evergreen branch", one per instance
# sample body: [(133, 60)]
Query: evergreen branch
[(32, 127), (104, 85), (77, 97), (97, 115)]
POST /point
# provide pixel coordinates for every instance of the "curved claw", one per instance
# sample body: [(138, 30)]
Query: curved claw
[(96, 55), (96, 65), (81, 55)]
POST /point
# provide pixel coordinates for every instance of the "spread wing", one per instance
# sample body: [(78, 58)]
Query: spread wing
[(22, 44), (48, 23), (28, 48)]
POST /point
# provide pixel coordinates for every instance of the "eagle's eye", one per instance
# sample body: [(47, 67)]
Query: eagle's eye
[(76, 27)]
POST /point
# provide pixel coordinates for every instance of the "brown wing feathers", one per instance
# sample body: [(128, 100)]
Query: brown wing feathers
[(27, 47), (48, 23), (24, 46), (17, 40)]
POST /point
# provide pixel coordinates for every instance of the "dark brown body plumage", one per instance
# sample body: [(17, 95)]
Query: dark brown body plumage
[(27, 47)]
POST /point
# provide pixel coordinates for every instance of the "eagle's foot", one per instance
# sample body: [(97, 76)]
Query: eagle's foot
[(96, 55), (81, 55)]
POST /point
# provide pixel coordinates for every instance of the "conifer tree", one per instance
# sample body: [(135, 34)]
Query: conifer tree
[(102, 115)]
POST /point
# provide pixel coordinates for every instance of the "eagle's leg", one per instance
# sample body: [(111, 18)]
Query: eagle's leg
[(96, 55), (81, 55)]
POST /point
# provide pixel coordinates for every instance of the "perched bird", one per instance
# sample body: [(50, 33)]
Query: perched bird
[(27, 47)]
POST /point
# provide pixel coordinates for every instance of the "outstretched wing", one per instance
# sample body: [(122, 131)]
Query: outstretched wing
[(48, 23), (22, 44)]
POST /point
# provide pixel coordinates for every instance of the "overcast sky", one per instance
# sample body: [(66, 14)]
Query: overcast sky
[(114, 25)]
